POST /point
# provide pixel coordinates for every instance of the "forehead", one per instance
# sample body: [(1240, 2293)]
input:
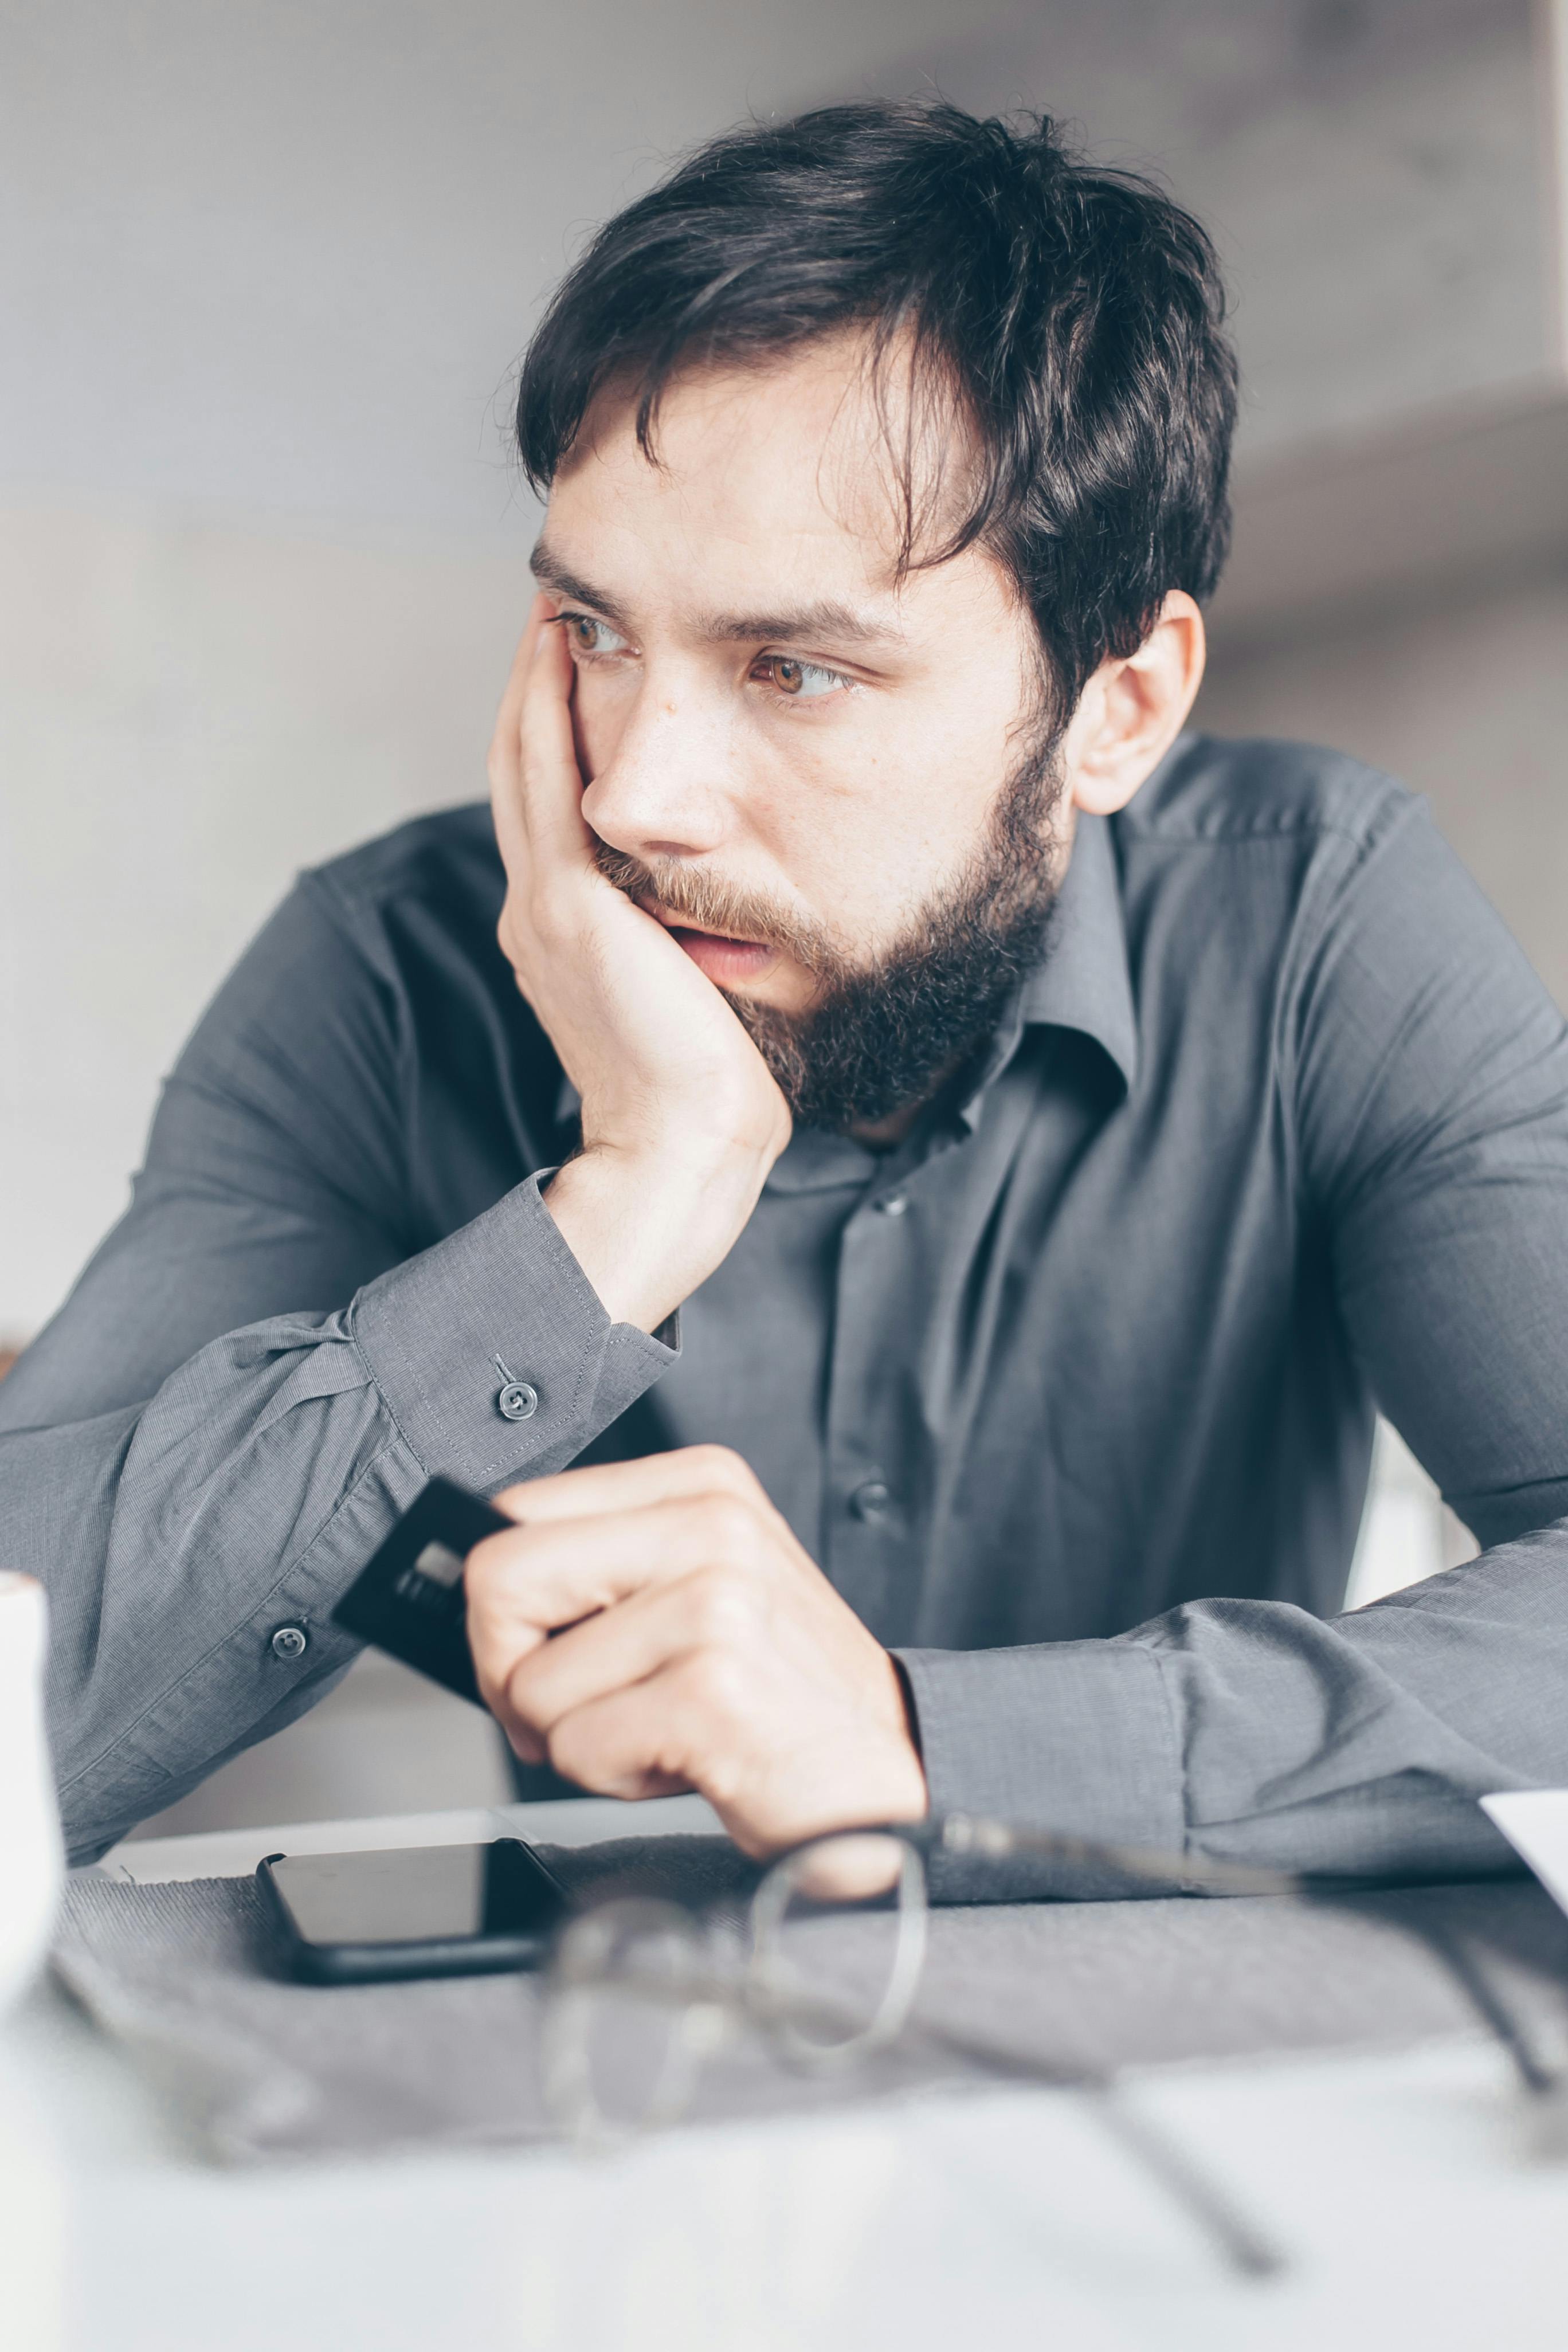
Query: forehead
[(766, 482)]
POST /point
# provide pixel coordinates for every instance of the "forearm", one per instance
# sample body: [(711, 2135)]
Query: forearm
[(1248, 1730), (177, 1537)]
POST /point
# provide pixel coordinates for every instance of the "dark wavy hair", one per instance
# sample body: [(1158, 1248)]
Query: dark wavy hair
[(1070, 318)]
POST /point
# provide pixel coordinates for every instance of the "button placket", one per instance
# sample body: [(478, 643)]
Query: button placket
[(865, 1535)]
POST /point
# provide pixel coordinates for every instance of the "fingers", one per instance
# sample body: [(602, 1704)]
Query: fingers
[(506, 743), (656, 1521), (511, 712), (627, 1485), (634, 1742), (534, 629), (533, 770), (551, 779), (708, 1610), (555, 1574)]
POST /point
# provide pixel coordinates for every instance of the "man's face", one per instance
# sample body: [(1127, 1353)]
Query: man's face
[(827, 782)]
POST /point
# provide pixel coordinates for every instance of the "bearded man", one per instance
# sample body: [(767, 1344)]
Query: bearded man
[(952, 1160)]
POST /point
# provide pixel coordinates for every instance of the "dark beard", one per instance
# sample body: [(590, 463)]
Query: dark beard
[(885, 1036)]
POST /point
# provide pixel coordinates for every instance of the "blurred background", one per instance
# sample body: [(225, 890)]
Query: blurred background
[(264, 272)]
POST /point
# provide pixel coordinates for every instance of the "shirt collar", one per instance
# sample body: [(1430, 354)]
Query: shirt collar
[(1083, 982)]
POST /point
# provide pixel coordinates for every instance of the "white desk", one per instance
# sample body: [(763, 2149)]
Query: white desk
[(1408, 2188)]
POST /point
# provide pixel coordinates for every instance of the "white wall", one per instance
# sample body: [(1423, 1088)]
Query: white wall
[(279, 257)]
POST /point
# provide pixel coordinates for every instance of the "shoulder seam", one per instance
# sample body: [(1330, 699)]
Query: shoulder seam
[(329, 876), (1313, 774)]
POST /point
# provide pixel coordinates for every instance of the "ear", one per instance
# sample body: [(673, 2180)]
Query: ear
[(1132, 709)]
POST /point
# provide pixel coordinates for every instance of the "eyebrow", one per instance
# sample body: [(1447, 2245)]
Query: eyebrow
[(553, 575), (825, 620)]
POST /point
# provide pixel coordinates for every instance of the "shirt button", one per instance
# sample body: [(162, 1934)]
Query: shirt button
[(895, 1204), (871, 1500), (290, 1642), (516, 1400)]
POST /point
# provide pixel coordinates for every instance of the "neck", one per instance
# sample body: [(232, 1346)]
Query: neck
[(882, 1134)]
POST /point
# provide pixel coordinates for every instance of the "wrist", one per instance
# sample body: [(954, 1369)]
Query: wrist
[(907, 1795), (647, 1228)]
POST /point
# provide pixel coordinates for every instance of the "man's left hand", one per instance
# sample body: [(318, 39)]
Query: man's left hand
[(653, 1626)]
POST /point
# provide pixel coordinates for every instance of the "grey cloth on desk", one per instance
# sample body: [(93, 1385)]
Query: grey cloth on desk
[(187, 1974)]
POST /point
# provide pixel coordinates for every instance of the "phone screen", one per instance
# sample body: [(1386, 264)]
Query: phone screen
[(418, 1894)]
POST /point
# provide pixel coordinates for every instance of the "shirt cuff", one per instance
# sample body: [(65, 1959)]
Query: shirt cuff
[(1072, 1736), (493, 1352)]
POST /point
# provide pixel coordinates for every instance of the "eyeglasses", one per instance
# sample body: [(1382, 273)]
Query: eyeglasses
[(643, 1994)]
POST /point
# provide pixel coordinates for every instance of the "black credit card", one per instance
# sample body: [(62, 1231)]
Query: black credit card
[(408, 1599)]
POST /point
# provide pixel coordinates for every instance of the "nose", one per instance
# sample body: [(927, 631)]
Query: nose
[(660, 793)]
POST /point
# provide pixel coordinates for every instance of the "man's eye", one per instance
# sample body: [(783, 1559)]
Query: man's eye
[(802, 681), (586, 635)]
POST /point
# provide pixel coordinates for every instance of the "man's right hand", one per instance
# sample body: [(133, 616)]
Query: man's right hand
[(681, 1119)]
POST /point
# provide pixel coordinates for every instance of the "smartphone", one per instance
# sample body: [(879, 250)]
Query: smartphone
[(412, 1911)]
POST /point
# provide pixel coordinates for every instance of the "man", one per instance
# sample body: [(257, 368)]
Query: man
[(952, 1159)]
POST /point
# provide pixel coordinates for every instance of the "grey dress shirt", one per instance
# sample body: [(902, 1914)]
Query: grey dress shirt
[(1070, 1395)]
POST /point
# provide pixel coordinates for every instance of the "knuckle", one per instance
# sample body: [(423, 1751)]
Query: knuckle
[(522, 1685), (513, 939), (481, 1571), (573, 1750), (730, 1528), (721, 1609), (495, 1671), (723, 1467), (550, 918), (568, 1751), (714, 1683), (490, 1567), (723, 1781)]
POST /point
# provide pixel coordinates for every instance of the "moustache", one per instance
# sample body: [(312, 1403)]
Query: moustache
[(708, 903)]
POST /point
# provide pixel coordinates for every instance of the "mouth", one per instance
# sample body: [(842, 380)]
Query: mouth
[(723, 959)]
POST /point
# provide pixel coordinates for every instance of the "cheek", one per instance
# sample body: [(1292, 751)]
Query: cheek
[(870, 827)]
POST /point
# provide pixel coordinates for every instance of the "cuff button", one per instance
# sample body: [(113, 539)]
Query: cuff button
[(290, 1642), (516, 1400)]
